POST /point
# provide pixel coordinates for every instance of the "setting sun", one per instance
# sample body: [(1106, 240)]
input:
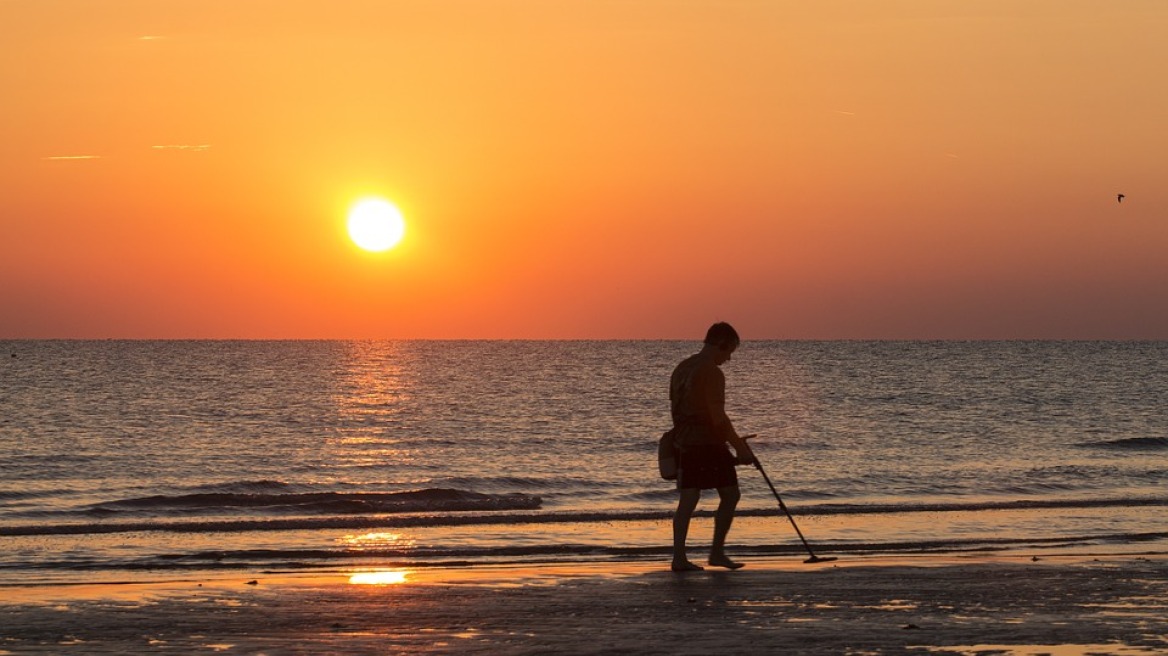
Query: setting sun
[(376, 224)]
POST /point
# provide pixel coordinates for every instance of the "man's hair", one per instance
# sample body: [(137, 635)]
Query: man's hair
[(723, 336)]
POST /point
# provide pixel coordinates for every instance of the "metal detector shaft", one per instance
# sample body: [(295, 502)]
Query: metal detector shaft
[(813, 558)]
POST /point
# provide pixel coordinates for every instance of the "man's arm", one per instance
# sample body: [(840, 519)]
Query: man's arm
[(714, 393)]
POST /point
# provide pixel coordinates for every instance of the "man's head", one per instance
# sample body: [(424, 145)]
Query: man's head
[(723, 337)]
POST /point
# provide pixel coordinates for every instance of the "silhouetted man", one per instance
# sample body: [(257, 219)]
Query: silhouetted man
[(703, 433)]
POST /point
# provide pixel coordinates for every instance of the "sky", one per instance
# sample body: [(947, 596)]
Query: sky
[(585, 169)]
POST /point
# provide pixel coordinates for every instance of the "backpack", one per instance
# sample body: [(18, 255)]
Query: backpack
[(667, 456)]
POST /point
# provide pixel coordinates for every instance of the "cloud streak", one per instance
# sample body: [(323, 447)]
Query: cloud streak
[(194, 148), (70, 157)]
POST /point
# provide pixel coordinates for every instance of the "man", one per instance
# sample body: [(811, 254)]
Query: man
[(702, 431)]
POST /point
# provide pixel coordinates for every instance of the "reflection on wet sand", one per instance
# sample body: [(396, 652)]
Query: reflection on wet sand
[(381, 577)]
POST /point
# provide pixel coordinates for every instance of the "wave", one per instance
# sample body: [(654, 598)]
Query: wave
[(1130, 443), (524, 518), (513, 481), (317, 503), (1020, 504), (465, 555), (21, 495), (244, 487)]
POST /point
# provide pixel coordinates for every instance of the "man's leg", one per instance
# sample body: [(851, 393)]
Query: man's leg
[(687, 502), (728, 501)]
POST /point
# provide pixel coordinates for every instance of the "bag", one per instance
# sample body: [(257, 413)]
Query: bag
[(667, 456)]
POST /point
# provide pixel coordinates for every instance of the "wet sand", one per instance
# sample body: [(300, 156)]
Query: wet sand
[(1061, 605)]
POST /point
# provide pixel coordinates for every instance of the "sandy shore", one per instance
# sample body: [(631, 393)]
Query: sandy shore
[(1016, 605)]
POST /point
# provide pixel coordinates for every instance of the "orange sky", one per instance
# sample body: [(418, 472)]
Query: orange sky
[(585, 168)]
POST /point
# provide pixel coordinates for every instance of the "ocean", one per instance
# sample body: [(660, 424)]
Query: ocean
[(129, 460)]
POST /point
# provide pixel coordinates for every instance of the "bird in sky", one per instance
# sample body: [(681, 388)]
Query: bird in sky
[(1119, 198)]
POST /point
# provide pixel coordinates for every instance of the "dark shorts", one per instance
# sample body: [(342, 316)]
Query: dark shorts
[(706, 467)]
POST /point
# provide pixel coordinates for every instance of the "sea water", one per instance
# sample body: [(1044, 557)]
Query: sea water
[(157, 458)]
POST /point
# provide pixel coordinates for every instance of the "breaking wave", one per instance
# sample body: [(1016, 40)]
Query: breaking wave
[(460, 508), (1131, 443), (318, 503)]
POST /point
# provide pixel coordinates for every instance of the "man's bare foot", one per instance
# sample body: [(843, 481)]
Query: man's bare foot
[(685, 566), (723, 561)]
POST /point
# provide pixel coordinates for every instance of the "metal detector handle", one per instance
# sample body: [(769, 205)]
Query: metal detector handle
[(813, 558), (739, 463), (758, 466)]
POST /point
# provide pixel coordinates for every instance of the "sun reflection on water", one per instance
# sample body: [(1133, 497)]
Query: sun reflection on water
[(375, 540), (373, 391), (374, 383)]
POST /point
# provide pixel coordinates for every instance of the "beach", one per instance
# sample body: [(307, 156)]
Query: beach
[(503, 498), (1004, 604)]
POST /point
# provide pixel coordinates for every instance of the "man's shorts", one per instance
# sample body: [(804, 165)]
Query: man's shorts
[(706, 467)]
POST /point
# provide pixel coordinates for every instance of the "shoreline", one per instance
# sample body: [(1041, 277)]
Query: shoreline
[(59, 584), (929, 603)]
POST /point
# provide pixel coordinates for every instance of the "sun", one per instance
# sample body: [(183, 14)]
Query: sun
[(376, 225)]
